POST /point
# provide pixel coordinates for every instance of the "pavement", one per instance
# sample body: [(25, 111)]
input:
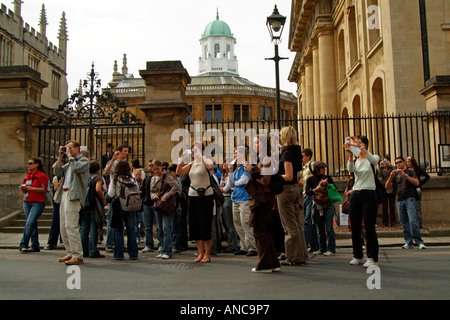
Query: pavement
[(431, 237)]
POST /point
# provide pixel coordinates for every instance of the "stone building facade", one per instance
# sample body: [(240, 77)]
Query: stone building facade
[(368, 56), (32, 82)]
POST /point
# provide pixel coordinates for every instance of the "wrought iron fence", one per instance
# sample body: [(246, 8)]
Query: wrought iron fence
[(420, 135)]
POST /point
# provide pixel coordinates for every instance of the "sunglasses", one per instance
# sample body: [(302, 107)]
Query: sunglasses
[(30, 163), (398, 162)]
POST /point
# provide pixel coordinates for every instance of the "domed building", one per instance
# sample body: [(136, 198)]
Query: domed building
[(218, 92)]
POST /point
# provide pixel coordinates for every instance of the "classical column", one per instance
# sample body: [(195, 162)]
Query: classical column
[(309, 79), (327, 70), (316, 75)]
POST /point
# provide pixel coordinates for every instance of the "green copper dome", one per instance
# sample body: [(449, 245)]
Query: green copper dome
[(217, 28)]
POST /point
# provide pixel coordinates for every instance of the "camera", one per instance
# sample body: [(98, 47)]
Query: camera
[(63, 149), (23, 187), (347, 140)]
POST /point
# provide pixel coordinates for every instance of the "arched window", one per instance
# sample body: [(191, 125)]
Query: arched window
[(353, 36), (228, 51), (206, 52), (216, 51), (341, 57)]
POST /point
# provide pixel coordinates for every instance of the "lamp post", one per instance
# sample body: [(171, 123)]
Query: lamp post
[(275, 25)]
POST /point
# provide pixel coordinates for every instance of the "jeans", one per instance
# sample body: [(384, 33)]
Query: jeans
[(176, 231), (140, 228), (89, 234), (227, 216), (54, 230), (326, 231), (129, 218), (149, 213), (109, 231), (407, 215), (164, 223), (33, 211), (310, 228)]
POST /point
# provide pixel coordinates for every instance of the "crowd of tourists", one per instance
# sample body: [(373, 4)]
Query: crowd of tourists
[(252, 208)]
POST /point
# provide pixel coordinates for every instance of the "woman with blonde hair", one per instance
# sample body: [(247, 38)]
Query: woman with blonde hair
[(290, 199)]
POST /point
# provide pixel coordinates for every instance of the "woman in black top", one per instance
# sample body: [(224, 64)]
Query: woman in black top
[(289, 200)]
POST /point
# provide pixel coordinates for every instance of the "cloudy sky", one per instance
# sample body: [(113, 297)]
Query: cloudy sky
[(101, 31)]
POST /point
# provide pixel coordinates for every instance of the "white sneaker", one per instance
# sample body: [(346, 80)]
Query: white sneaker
[(261, 270), (317, 253), (355, 262), (165, 256), (147, 249), (422, 246), (328, 253), (369, 263), (159, 255), (407, 246)]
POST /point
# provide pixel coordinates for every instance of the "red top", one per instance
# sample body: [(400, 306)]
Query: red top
[(35, 180)]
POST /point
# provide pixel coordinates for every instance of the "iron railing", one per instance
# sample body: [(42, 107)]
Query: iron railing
[(419, 135)]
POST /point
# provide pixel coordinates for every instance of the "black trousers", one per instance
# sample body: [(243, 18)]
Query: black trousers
[(200, 215), (363, 205)]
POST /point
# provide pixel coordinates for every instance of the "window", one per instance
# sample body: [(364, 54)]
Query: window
[(237, 112), (33, 62), (353, 35), (269, 113), (228, 52), (245, 113), (56, 85), (213, 113), (216, 51), (262, 113), (5, 52)]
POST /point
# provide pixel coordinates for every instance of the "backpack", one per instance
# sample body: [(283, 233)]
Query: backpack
[(276, 183), (91, 193), (130, 197), (380, 188)]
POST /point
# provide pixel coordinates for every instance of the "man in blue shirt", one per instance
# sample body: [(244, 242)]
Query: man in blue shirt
[(237, 180)]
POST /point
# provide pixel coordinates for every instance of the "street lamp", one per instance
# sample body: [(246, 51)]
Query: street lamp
[(275, 25)]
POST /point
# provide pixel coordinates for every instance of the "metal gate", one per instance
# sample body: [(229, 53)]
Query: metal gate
[(93, 119)]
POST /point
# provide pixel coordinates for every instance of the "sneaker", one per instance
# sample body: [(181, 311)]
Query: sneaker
[(252, 253), (407, 246), (109, 250), (261, 270), (165, 256), (422, 246), (147, 249), (317, 253), (159, 255), (355, 261), (370, 262), (328, 253)]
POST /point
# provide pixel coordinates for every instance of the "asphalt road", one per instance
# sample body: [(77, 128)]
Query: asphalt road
[(402, 275)]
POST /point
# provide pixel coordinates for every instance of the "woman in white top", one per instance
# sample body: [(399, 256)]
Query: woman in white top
[(363, 200), (200, 200)]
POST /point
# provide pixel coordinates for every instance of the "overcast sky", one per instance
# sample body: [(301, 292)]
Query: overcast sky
[(101, 31)]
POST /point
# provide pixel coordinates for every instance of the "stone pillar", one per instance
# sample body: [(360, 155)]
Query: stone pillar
[(327, 69), (165, 106), (309, 78), (316, 75), (20, 111)]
